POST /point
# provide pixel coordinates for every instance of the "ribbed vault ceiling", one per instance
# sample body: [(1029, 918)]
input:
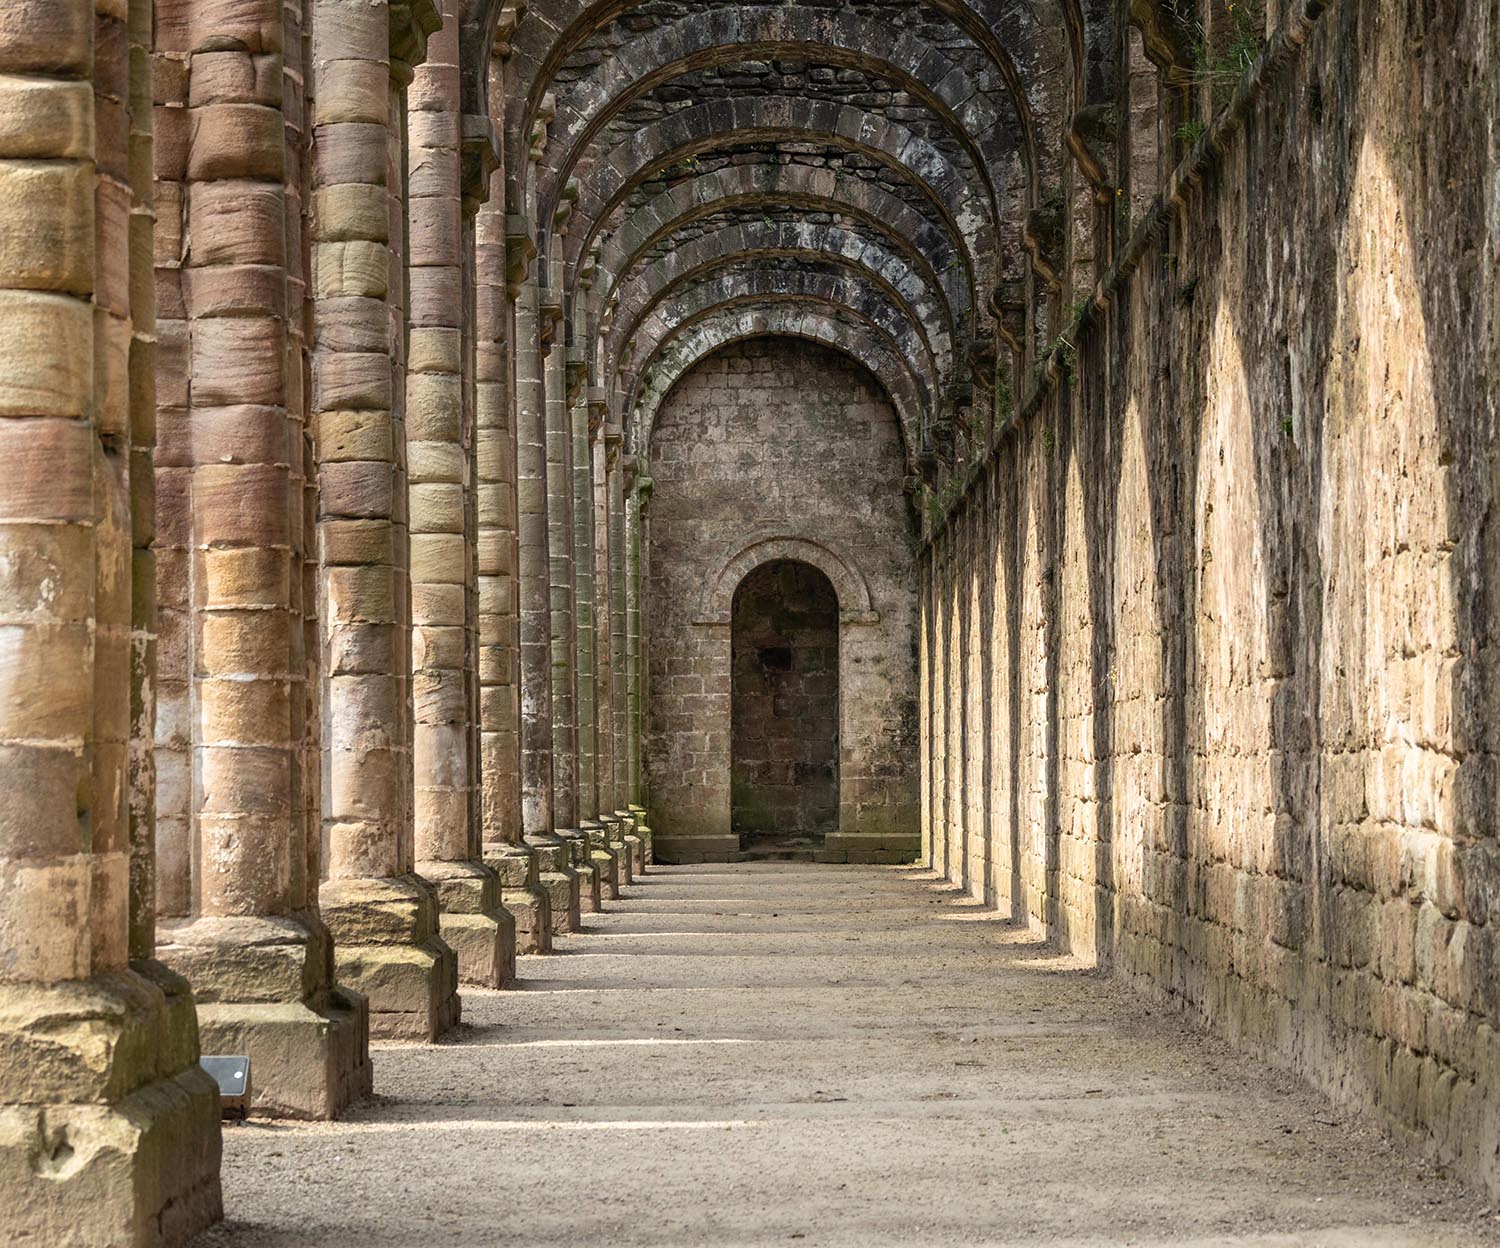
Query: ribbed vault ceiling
[(862, 174)]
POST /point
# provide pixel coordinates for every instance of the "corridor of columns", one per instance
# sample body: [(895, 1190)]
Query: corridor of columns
[(691, 622)]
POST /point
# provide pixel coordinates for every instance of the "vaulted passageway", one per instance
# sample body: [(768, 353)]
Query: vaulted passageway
[(402, 403), (790, 1053)]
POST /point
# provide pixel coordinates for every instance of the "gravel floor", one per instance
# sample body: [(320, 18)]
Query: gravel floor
[(778, 1053)]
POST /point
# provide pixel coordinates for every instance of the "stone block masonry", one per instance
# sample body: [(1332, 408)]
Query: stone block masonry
[(455, 453), (772, 450), (1231, 698)]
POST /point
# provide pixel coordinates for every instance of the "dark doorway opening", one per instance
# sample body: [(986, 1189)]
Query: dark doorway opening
[(784, 743)]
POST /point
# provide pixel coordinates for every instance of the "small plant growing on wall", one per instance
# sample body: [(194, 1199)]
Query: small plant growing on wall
[(1223, 55), (1190, 132)]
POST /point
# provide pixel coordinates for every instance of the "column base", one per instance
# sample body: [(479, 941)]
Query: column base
[(643, 831), (614, 841), (106, 1141), (590, 882), (386, 946), (522, 894), (264, 989), (472, 921), (604, 859), (559, 881)]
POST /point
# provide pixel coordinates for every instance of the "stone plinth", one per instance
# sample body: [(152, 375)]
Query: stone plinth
[(522, 894), (638, 837), (606, 869), (387, 947), (109, 1129), (473, 922), (614, 841), (263, 989), (562, 884)]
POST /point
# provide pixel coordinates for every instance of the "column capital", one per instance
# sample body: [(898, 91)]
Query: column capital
[(577, 374), (480, 157), (411, 21), (520, 251)]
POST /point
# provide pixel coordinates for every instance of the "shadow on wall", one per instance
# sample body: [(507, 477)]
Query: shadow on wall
[(1239, 726)]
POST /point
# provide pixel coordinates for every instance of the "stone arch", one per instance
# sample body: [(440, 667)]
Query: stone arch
[(748, 185), (742, 272), (735, 564), (864, 301), (996, 27), (815, 320), (713, 36), (960, 200)]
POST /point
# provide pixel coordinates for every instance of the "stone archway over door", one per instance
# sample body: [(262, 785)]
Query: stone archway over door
[(784, 736)]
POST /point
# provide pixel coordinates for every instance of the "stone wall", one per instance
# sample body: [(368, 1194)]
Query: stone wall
[(773, 449), (1235, 582)]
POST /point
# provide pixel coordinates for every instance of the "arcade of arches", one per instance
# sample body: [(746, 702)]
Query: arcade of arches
[(468, 464)]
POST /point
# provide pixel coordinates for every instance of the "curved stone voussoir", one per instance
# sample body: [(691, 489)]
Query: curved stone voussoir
[(959, 196), (745, 188), (748, 240), (1021, 44), (723, 34), (753, 283), (814, 321)]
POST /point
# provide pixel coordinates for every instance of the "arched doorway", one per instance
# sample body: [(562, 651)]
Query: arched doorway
[(784, 735)]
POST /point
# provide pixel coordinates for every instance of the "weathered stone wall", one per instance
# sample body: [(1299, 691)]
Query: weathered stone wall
[(1239, 718), (775, 448)]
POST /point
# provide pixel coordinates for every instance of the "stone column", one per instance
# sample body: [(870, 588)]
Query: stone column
[(239, 917), (439, 446), (564, 847), (498, 567), (620, 647), (638, 497), (560, 559), (535, 615), (382, 914), (559, 885), (604, 452), (108, 1129), (585, 540), (604, 757), (142, 479), (581, 464)]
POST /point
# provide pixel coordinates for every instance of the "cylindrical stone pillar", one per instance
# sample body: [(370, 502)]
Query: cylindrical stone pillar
[(562, 523), (108, 1128), (582, 465), (585, 607), (537, 779), (383, 916), (534, 582), (439, 447), (619, 642), (604, 449), (240, 919), (498, 569), (560, 559), (538, 789), (638, 496)]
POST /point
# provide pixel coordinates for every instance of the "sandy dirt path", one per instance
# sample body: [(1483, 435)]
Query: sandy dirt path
[(809, 1055)]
